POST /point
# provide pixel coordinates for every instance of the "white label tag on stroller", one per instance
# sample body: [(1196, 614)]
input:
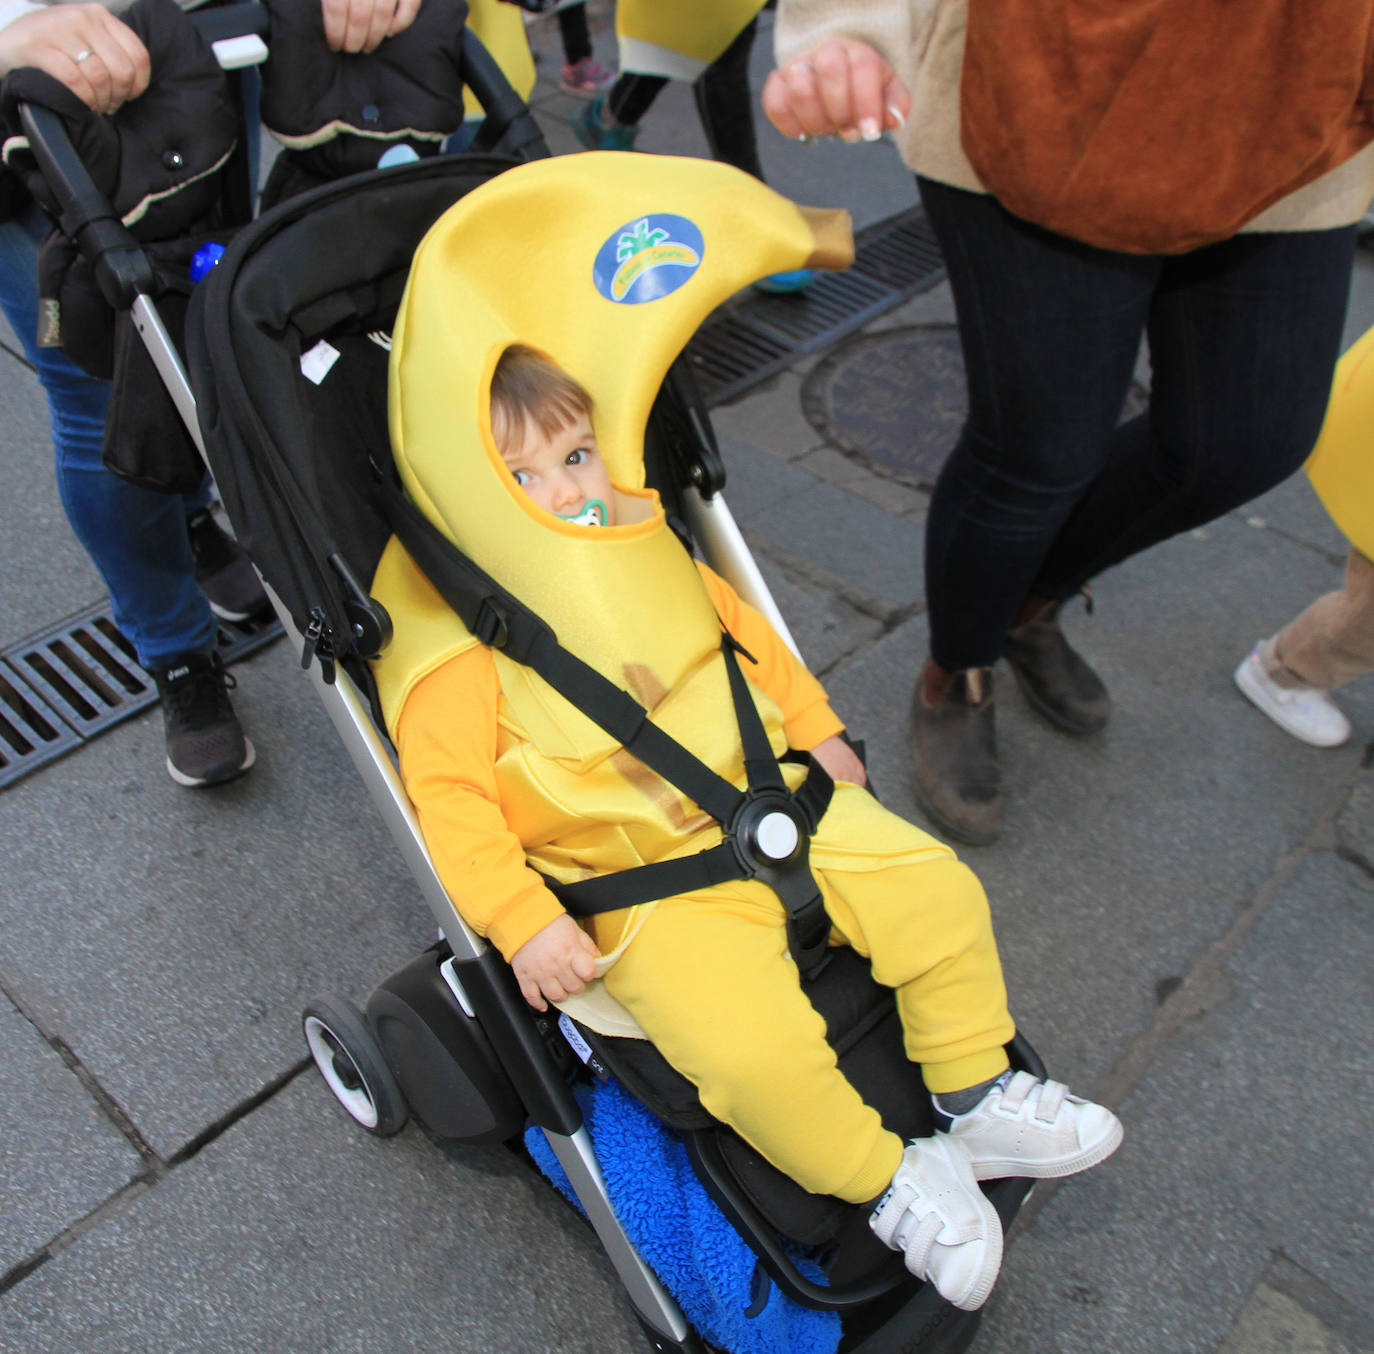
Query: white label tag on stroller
[(316, 364), (579, 1045)]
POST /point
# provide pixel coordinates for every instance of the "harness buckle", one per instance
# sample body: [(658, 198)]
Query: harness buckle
[(491, 624)]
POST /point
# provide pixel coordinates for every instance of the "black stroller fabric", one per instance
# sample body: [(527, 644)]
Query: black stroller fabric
[(155, 158), (160, 162), (297, 470), (336, 113)]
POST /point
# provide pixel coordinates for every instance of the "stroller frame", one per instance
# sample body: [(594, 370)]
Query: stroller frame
[(509, 1064)]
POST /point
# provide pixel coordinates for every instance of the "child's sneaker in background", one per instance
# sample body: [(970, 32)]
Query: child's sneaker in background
[(781, 284), (1307, 712), (1031, 1128), (587, 76), (596, 135)]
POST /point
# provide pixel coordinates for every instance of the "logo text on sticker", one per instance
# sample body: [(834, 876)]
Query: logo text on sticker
[(647, 259)]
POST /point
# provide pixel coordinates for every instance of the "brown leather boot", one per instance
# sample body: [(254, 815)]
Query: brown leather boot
[(1054, 677), (954, 753)]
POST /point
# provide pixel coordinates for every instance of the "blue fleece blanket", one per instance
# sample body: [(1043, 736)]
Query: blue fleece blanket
[(683, 1236)]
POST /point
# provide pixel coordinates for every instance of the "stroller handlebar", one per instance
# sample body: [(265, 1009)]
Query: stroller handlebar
[(85, 215)]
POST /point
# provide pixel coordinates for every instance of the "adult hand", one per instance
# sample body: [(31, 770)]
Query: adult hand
[(840, 88), (554, 963), (362, 25), (840, 760), (97, 56)]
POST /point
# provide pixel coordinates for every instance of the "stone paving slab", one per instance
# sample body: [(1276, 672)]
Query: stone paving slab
[(297, 1232), (1355, 826), (1271, 1322), (825, 627), (62, 1156), (838, 532), (175, 943), (1276, 1141), (1125, 854)]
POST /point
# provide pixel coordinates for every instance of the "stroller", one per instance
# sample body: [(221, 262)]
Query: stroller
[(308, 291)]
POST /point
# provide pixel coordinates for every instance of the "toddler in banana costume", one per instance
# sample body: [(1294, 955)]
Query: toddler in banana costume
[(708, 977)]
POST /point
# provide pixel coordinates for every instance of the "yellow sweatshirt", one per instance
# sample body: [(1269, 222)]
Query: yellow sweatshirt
[(447, 738)]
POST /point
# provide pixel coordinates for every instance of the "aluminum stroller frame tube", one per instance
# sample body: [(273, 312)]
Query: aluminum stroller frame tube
[(714, 526), (170, 368), (348, 712)]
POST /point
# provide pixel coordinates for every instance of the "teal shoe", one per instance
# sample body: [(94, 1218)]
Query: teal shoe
[(595, 135), (798, 279)]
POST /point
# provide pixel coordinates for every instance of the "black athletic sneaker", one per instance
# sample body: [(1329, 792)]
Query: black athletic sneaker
[(223, 570), (205, 745)]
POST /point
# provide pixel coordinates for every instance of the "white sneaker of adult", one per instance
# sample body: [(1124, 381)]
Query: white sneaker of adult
[(945, 1226), (1307, 712), (1035, 1129)]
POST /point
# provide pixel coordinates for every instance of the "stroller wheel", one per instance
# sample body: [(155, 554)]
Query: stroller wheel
[(352, 1063)]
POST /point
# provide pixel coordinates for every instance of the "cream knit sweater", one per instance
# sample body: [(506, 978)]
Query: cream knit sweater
[(924, 41)]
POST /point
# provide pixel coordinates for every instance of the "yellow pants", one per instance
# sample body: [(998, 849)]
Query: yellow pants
[(710, 979)]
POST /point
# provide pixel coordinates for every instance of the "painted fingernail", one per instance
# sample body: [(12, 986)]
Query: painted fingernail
[(869, 129), (896, 115)]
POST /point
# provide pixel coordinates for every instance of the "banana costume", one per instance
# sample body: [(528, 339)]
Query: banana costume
[(678, 38), (1341, 466), (501, 28), (608, 263)]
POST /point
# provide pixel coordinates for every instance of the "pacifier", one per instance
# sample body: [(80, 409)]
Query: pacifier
[(592, 514)]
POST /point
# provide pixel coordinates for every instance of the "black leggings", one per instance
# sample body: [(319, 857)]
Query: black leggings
[(577, 37), (724, 103), (1043, 491)]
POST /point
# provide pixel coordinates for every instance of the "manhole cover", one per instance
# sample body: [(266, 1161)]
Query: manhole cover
[(895, 401)]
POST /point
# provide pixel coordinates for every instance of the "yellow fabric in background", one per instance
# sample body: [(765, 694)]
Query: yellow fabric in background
[(678, 38), (501, 28), (1341, 466)]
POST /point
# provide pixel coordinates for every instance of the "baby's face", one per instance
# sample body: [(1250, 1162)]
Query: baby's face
[(564, 474)]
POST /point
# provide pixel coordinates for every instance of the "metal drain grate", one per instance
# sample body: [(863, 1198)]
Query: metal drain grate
[(752, 338), (65, 685)]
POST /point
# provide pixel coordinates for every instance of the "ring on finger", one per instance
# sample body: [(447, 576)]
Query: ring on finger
[(82, 55)]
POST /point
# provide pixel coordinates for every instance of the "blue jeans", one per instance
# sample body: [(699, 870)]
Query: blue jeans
[(1043, 490), (135, 537)]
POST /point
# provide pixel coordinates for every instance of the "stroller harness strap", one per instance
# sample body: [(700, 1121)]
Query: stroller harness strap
[(767, 827)]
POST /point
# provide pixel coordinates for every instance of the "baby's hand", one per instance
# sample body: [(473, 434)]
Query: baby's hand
[(840, 760), (555, 963)]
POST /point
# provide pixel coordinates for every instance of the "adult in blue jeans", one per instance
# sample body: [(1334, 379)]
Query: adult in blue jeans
[(1184, 174), (169, 568)]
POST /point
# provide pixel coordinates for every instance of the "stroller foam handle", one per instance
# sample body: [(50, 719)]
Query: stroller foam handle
[(85, 214)]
